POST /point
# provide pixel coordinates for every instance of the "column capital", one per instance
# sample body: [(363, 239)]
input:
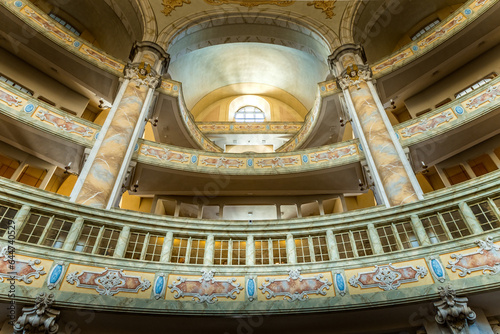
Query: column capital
[(354, 75), (142, 75)]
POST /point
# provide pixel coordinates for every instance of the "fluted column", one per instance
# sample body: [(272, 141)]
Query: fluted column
[(208, 260), (166, 250), (394, 177), (21, 218), (250, 251), (100, 181), (291, 252), (73, 234)]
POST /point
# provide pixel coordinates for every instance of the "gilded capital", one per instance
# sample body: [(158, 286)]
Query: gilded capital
[(354, 75), (142, 75)]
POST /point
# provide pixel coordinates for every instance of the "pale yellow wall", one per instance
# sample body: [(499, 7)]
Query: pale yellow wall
[(101, 118), (362, 201), (67, 185), (219, 111), (135, 203), (41, 84)]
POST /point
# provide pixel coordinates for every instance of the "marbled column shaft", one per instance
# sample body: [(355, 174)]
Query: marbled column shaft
[(250, 251), (166, 250), (332, 245), (98, 185), (291, 252), (208, 259), (121, 244), (21, 218), (73, 234), (470, 218), (375, 240), (420, 230), (395, 179)]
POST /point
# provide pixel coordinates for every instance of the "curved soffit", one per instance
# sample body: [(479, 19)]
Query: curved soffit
[(379, 25), (205, 70)]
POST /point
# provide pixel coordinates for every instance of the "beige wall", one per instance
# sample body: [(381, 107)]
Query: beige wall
[(40, 83), (455, 82)]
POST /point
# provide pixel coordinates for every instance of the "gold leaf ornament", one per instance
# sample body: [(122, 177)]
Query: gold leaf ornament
[(326, 6), (250, 3), (170, 5)]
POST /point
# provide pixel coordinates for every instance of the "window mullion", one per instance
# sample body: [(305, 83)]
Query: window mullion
[(144, 246)]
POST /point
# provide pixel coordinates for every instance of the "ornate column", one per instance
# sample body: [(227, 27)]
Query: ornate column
[(208, 259), (375, 240), (250, 251), (470, 218), (393, 175), (21, 218), (121, 245), (332, 245), (291, 252), (73, 234), (166, 250), (101, 179)]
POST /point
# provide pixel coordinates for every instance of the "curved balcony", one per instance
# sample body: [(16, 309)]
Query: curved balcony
[(359, 259)]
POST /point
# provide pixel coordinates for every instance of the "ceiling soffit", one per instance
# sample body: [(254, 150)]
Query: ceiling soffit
[(322, 34)]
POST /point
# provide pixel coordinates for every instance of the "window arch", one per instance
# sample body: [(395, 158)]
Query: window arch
[(249, 114)]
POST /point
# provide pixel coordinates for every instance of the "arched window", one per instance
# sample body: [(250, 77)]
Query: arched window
[(249, 114)]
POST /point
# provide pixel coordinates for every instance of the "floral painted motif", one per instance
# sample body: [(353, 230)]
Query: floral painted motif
[(427, 124), (222, 162), (108, 282), (164, 154), (277, 162), (489, 95), (22, 270), (442, 31), (485, 259), (295, 286), (334, 153), (206, 289), (387, 277), (10, 99), (64, 123)]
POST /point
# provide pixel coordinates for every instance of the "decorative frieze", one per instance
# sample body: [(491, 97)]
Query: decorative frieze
[(164, 153), (485, 259), (21, 270), (205, 289), (427, 124), (488, 96), (277, 162), (388, 277), (295, 286), (222, 162), (10, 99), (64, 123), (108, 282), (334, 153)]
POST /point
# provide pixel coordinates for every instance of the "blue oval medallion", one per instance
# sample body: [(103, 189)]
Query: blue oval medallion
[(360, 148), (305, 159), (136, 147), (339, 279), (29, 108), (76, 44), (251, 287), (468, 11), (159, 285), (18, 4), (437, 268), (250, 162), (55, 274), (414, 48), (459, 110), (194, 158), (96, 135)]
